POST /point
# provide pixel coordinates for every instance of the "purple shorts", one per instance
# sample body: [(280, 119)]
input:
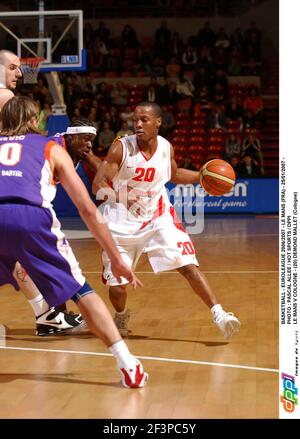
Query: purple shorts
[(32, 236)]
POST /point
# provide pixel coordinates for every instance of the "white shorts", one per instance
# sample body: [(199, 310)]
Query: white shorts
[(165, 241)]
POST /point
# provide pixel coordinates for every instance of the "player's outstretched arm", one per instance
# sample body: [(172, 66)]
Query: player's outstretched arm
[(109, 167), (181, 175), (63, 166)]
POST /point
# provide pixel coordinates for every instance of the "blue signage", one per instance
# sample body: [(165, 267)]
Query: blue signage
[(258, 195)]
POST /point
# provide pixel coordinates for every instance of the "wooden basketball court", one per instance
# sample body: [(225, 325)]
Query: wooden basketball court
[(194, 372)]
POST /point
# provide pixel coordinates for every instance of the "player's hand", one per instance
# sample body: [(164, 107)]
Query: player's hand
[(121, 269)]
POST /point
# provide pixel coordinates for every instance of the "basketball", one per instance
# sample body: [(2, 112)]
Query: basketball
[(217, 177)]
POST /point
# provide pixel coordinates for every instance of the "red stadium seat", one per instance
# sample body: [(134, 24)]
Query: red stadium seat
[(198, 132)]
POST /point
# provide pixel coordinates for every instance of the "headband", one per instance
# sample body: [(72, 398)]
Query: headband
[(81, 130)]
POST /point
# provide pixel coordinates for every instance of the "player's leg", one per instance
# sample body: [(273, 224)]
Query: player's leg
[(118, 293), (226, 322), (100, 322), (118, 298), (171, 248), (60, 274), (48, 320)]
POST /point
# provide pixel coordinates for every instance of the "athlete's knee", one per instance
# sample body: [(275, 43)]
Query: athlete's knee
[(20, 273), (84, 290), (189, 271), (117, 290)]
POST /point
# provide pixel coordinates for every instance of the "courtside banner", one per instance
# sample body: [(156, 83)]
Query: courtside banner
[(247, 196)]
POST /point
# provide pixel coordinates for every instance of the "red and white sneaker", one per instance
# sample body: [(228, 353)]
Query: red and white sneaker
[(135, 377)]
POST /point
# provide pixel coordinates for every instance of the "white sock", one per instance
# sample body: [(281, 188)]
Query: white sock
[(39, 305), (216, 310), (121, 353), (121, 313)]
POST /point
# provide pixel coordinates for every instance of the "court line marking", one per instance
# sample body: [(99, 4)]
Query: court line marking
[(205, 272), (170, 360)]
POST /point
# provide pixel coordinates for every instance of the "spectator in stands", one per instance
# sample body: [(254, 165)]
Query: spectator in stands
[(105, 139), (185, 88), (144, 62), (188, 163), (249, 121), (206, 36), (114, 120), (169, 95), (92, 117), (124, 131), (202, 97), (237, 40), (168, 121), (89, 87), (234, 66), (234, 112), (158, 65), (205, 59), (45, 112), (253, 29), (216, 118), (253, 46), (254, 103), (251, 146), (126, 116), (129, 38), (112, 62), (76, 114), (176, 46), (235, 161), (201, 78), (102, 32), (153, 91), (221, 58), (222, 39), (173, 68), (248, 168), (119, 94), (232, 146), (189, 58), (103, 94), (70, 97), (88, 35), (219, 95), (162, 38), (95, 56)]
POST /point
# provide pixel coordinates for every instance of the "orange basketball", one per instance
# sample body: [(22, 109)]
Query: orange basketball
[(217, 177)]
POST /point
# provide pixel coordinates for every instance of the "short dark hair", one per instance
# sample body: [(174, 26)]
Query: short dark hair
[(155, 107)]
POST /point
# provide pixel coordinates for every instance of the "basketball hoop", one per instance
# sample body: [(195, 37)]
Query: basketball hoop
[(30, 68)]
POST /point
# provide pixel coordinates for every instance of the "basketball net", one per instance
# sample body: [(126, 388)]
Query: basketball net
[(30, 68)]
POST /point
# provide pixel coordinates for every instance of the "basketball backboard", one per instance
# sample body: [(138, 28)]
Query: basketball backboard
[(57, 36)]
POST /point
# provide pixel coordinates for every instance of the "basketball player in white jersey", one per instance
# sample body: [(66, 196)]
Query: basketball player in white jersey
[(10, 73), (142, 164)]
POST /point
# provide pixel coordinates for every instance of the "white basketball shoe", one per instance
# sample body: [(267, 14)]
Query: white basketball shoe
[(227, 323)]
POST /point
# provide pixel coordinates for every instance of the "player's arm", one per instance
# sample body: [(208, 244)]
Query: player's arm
[(181, 175), (109, 168), (92, 161), (5, 95), (64, 168)]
